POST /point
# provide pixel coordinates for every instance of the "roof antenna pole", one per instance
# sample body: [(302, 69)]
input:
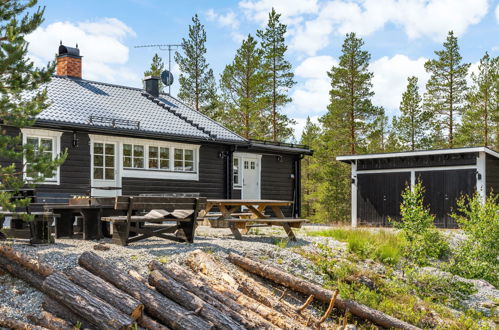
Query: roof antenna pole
[(169, 48)]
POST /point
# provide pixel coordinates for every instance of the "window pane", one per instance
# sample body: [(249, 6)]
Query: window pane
[(46, 144), (252, 165), (32, 141), (127, 161), (179, 165), (98, 173), (138, 162), (109, 149), (235, 170), (153, 152), (153, 163), (138, 151), (245, 164), (98, 148), (98, 160), (165, 153), (109, 161), (189, 155), (109, 174), (179, 154), (189, 166), (164, 164), (127, 150)]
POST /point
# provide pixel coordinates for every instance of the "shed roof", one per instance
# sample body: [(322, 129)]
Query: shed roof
[(348, 158)]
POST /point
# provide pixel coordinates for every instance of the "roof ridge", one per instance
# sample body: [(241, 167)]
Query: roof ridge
[(174, 112), (97, 82)]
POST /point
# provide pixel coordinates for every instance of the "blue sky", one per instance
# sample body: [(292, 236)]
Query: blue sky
[(400, 35)]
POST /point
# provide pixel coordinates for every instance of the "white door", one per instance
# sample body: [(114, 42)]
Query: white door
[(251, 178), (104, 166)]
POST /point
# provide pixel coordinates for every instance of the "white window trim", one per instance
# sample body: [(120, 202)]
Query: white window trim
[(56, 149), (146, 173)]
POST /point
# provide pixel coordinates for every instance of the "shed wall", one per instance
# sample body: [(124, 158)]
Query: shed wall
[(492, 174)]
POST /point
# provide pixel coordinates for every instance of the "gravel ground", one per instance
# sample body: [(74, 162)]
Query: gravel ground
[(17, 299)]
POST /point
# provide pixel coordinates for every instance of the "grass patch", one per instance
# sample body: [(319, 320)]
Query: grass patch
[(282, 243), (384, 246)]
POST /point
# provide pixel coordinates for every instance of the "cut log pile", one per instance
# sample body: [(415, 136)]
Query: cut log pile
[(203, 295)]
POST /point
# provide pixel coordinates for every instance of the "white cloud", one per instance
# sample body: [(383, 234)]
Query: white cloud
[(229, 19), (311, 95), (419, 18), (390, 79), (100, 43), (291, 10)]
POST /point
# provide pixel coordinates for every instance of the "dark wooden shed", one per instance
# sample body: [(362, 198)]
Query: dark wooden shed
[(378, 181)]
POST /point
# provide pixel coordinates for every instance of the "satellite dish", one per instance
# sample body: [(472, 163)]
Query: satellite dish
[(167, 78)]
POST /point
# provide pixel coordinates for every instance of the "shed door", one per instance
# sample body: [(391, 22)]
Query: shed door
[(443, 188), (379, 196)]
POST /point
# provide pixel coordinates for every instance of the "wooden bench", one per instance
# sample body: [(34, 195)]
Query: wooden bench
[(246, 224), (183, 210)]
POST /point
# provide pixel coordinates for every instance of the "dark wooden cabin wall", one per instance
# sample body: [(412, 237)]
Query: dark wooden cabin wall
[(276, 179), (492, 174), (211, 182)]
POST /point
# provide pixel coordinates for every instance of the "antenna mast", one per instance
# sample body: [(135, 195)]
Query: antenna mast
[(164, 47)]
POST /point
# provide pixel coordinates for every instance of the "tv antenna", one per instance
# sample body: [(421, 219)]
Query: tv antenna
[(164, 47)]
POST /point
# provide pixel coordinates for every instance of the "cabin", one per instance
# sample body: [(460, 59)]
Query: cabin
[(378, 181), (129, 141)]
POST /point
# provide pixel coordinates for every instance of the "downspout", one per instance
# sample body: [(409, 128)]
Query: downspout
[(229, 158), (297, 187)]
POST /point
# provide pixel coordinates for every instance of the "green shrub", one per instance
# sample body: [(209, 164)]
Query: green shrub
[(478, 255), (424, 242)]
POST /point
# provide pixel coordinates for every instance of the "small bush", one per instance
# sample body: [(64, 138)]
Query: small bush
[(424, 242), (478, 255)]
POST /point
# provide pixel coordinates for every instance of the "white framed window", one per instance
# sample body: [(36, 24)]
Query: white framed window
[(46, 141), (133, 156), (103, 161), (159, 158), (236, 172), (184, 160)]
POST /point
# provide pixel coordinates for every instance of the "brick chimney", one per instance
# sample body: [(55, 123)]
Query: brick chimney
[(68, 61)]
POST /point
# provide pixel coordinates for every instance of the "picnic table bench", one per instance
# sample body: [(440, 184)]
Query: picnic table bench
[(183, 210), (255, 217)]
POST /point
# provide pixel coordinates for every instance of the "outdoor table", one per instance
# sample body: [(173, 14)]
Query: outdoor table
[(91, 213), (229, 207)]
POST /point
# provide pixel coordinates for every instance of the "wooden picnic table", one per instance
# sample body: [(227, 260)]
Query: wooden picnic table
[(91, 213), (229, 209)]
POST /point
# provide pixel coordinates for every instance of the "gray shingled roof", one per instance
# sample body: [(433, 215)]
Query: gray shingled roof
[(94, 104)]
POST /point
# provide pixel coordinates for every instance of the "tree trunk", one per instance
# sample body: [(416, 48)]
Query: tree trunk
[(156, 305), (50, 321), (147, 323), (9, 323), (107, 292), (178, 293), (63, 312), (17, 270), (200, 288), (224, 283), (318, 292), (25, 261), (82, 302)]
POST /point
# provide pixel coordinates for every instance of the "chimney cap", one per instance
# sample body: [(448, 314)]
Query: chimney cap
[(151, 77), (71, 51)]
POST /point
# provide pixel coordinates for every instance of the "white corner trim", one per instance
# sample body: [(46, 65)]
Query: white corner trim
[(354, 194), (56, 150), (481, 186)]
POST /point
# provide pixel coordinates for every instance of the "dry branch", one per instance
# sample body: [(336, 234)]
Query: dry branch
[(175, 291), (17, 270), (324, 295), (27, 262), (200, 287), (107, 292), (82, 302), (156, 305)]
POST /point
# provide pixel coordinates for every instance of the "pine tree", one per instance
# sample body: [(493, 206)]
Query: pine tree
[(412, 127), (350, 113), (242, 85), (157, 66), (310, 170), (378, 137), (278, 73), (21, 99), (446, 88), (197, 82), (480, 121)]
